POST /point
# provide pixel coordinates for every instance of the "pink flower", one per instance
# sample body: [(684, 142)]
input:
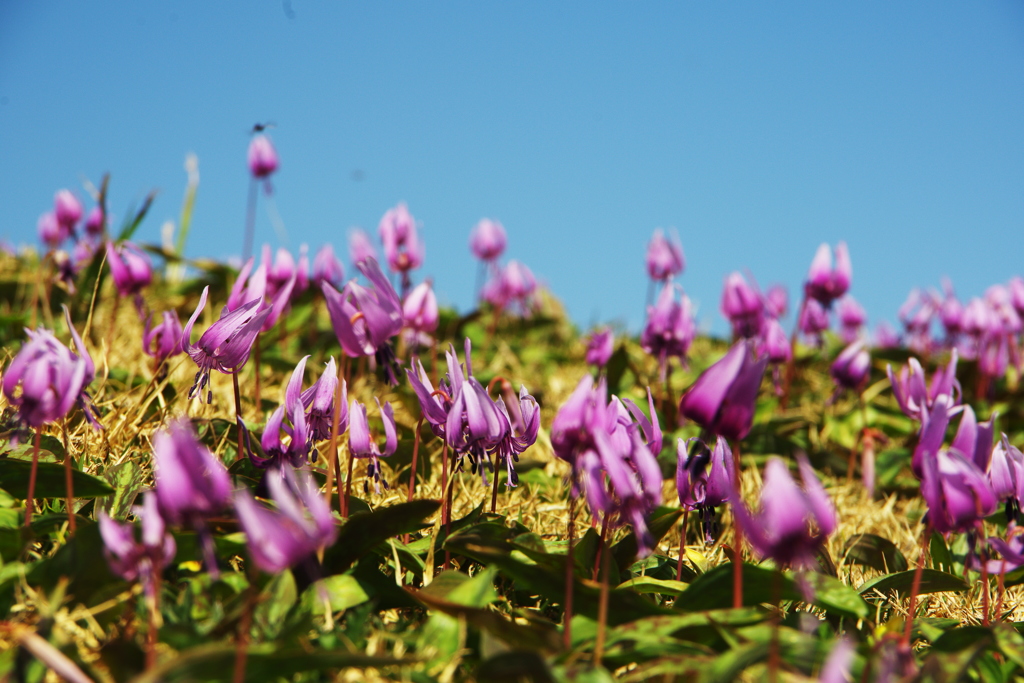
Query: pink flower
[(262, 157), (487, 240)]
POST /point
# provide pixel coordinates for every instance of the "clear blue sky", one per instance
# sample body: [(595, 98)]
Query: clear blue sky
[(758, 130)]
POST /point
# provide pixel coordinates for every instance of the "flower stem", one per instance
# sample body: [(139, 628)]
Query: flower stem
[(69, 484), (238, 416), (242, 639), (737, 562), (570, 531), (494, 485), (332, 446), (446, 503), (32, 481), (348, 486), (600, 547), (602, 606), (915, 586), (153, 612), (415, 454), (250, 222), (682, 545)]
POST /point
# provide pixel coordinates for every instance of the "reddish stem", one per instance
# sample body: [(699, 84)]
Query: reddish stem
[(32, 482), (570, 532), (69, 483), (682, 545), (415, 454), (737, 562), (915, 586)]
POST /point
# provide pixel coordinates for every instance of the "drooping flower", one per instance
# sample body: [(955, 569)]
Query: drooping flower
[(911, 393), (487, 240), (402, 247), (363, 446), (163, 340), (792, 523), (262, 157), (669, 330), (957, 492), (600, 345), (951, 312), (420, 314), (1006, 477), (360, 246), (722, 399), (612, 456), (434, 404), (664, 256), (301, 524), (365, 319), (130, 268), (813, 319), (521, 424), (94, 222), (704, 479), (973, 440), (46, 379), (318, 402), (226, 345), (474, 424), (327, 267), (851, 318), (138, 560), (512, 285), (776, 301), (916, 314), (886, 336), (283, 270), (277, 454), (824, 283), (191, 484), (742, 306), (67, 209), (253, 285), (774, 342), (50, 231), (852, 367)]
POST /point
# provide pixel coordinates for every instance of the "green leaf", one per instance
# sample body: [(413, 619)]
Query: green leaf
[(646, 584), (132, 222), (952, 666), (342, 590), (14, 475), (942, 558), (875, 552), (660, 523), (268, 662), (365, 530), (932, 581), (713, 590)]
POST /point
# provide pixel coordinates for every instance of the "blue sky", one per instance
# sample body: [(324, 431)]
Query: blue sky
[(758, 130)]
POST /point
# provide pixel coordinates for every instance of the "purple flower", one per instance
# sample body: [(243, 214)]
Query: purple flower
[(521, 424), (1016, 287), (283, 270), (164, 340), (50, 231), (327, 267), (360, 247), (836, 668), (134, 560), (742, 306), (262, 157), (363, 446), (51, 378), (191, 483), (994, 355), (792, 523), (487, 240), (776, 301), (277, 453), (909, 386), (852, 367), (774, 342), (973, 440), (813, 319), (94, 222), (255, 286), (130, 268), (669, 329), (916, 314), (365, 320), (67, 209), (226, 345), (704, 479), (851, 318), (604, 443), (722, 399), (886, 336), (402, 246), (301, 524), (824, 283), (434, 404), (318, 402), (957, 492), (419, 311), (474, 423), (664, 256), (1006, 476), (951, 311), (600, 345)]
